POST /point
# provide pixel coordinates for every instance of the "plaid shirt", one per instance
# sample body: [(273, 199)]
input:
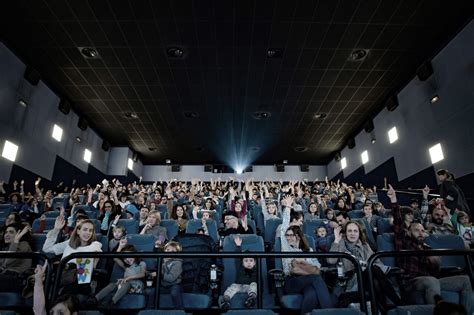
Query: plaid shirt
[(413, 265)]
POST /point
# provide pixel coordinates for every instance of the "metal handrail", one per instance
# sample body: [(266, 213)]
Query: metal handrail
[(403, 253), (258, 255), (33, 255)]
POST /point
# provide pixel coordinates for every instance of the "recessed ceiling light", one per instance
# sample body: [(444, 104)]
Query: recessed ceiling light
[(89, 52), (274, 53), (175, 52), (190, 114), (22, 102), (434, 99), (261, 115), (78, 139), (301, 149), (168, 161), (131, 115), (152, 149), (320, 116), (285, 161), (358, 55)]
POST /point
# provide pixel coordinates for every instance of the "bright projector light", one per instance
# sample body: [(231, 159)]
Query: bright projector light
[(239, 171)]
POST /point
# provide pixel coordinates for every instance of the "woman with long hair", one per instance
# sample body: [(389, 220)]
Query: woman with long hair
[(17, 238), (83, 239), (351, 239), (302, 274)]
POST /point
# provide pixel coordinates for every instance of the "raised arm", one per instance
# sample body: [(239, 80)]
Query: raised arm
[(50, 245)]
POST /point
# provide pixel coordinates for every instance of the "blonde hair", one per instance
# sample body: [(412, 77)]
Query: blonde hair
[(157, 214), (174, 244)]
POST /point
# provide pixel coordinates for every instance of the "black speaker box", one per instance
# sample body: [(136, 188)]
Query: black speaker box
[(248, 169), (351, 143), (135, 157), (105, 145), (337, 157), (82, 123), (424, 71), (175, 168), (208, 168), (369, 126), (392, 103), (280, 168), (304, 168), (64, 106), (32, 76)]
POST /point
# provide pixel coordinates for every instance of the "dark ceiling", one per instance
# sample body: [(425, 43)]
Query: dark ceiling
[(225, 75)]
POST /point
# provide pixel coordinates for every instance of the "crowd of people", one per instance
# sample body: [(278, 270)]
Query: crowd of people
[(236, 207)]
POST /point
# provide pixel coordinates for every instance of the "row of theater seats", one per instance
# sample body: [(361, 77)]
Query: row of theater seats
[(252, 243)]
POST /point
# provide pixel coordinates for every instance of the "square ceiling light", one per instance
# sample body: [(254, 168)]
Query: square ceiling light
[(57, 133), (343, 163), (392, 135), (87, 155), (9, 151), (365, 157), (436, 153)]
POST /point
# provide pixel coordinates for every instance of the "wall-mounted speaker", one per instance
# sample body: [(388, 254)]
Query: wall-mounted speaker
[(64, 106), (105, 145), (208, 168), (337, 157), (304, 167), (175, 168), (32, 76), (424, 71), (82, 123), (351, 143), (280, 168), (135, 157), (392, 103), (369, 126)]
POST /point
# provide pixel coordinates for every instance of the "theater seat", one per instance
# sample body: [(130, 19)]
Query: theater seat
[(130, 225), (337, 311), (254, 312), (252, 243), (171, 228), (412, 309), (142, 243), (195, 224), (270, 229), (162, 312)]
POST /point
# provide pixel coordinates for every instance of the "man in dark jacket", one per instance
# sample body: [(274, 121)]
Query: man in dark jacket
[(423, 269)]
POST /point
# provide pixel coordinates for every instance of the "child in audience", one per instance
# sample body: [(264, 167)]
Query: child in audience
[(322, 239), (171, 271), (461, 222), (245, 280), (134, 272), (118, 233)]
